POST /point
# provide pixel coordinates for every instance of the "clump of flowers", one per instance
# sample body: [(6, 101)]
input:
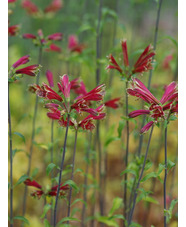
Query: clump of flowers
[(157, 110), (41, 192), (143, 64), (31, 70), (74, 45), (59, 105), (41, 40)]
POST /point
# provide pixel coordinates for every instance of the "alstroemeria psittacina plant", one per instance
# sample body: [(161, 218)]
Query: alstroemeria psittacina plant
[(143, 64), (31, 70), (62, 105), (40, 40), (158, 110), (51, 192)]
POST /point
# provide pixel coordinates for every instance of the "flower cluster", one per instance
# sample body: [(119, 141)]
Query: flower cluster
[(47, 41), (40, 192), (33, 10), (31, 70), (74, 45), (62, 105), (157, 110), (143, 64)]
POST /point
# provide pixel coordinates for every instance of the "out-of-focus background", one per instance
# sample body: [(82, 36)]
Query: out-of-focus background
[(133, 20)]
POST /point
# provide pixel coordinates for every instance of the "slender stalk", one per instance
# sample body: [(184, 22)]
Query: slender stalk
[(85, 183), (140, 177), (11, 161), (61, 170), (52, 160), (72, 175), (125, 212), (33, 135), (165, 179), (150, 73)]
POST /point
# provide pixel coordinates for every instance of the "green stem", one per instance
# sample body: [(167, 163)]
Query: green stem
[(72, 175), (165, 179), (33, 135), (52, 161), (140, 177), (61, 170), (11, 160)]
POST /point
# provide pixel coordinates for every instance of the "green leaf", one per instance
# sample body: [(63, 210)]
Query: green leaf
[(67, 219), (79, 200), (119, 216), (72, 184), (172, 118), (148, 176), (21, 180), (109, 140), (107, 221), (120, 128), (115, 206), (22, 219), (20, 135), (46, 208), (107, 11), (150, 199), (128, 171), (50, 168), (170, 164), (171, 39), (46, 223)]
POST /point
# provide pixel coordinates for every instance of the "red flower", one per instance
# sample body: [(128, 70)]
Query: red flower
[(157, 108), (31, 70), (55, 36), (54, 6), (166, 62), (49, 76), (33, 183), (23, 60), (13, 30), (113, 103), (11, 1), (73, 44), (29, 36), (125, 53), (54, 48), (30, 7), (113, 64), (65, 86)]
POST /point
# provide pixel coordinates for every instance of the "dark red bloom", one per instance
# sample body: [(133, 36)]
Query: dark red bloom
[(49, 76), (125, 53), (113, 103), (73, 44), (11, 1), (29, 36), (33, 183), (31, 70), (30, 7), (166, 62), (13, 30), (54, 48), (157, 108), (23, 60), (54, 6), (113, 64), (55, 36)]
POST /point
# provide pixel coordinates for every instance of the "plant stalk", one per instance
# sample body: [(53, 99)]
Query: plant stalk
[(140, 177), (11, 160), (32, 137), (85, 183), (72, 175), (165, 179), (61, 170), (52, 161)]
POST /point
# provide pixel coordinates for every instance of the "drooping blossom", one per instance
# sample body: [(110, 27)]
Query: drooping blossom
[(74, 45), (31, 70), (11, 1), (62, 104), (143, 64), (113, 103), (157, 110), (51, 192), (49, 76), (23, 60), (30, 7), (166, 61), (13, 30), (55, 6), (47, 41)]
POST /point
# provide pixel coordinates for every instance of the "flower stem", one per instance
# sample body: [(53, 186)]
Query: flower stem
[(165, 179), (85, 183), (61, 169), (140, 177), (11, 161), (125, 213), (150, 73), (52, 160), (72, 175), (33, 135)]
